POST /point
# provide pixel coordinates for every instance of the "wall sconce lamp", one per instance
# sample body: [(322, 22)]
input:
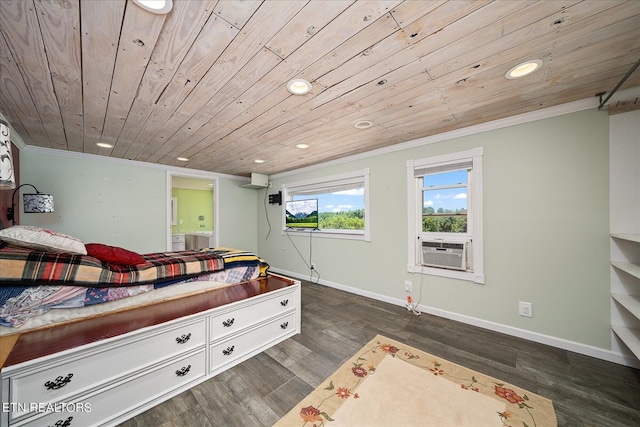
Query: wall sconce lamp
[(33, 203)]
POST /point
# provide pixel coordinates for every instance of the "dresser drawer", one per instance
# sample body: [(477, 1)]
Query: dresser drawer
[(59, 378), (231, 321), (177, 238), (230, 350), (97, 408)]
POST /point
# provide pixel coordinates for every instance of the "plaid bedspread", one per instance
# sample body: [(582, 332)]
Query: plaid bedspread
[(239, 258), (25, 267), (33, 282)]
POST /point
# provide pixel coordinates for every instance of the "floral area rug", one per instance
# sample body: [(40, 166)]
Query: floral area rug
[(388, 383)]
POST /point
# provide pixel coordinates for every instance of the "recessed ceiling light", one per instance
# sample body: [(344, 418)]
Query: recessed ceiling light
[(155, 6), (299, 86), (524, 69), (182, 159), (258, 161), (104, 145), (302, 146), (364, 124)]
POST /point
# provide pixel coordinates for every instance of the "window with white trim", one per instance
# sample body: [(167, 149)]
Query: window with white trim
[(343, 204), (445, 215)]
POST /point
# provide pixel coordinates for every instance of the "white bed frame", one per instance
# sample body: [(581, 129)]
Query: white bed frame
[(105, 382)]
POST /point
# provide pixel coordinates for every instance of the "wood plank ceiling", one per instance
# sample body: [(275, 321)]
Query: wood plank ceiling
[(208, 80)]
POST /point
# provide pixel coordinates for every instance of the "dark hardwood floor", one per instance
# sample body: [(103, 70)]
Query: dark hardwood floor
[(335, 324)]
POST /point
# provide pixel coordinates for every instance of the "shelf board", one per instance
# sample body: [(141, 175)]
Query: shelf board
[(627, 236), (630, 302), (627, 267), (630, 337)]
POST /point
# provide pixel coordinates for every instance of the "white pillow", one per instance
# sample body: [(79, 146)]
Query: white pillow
[(42, 239)]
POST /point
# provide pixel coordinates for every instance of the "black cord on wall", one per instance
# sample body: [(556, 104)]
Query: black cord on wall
[(309, 264), (266, 215)]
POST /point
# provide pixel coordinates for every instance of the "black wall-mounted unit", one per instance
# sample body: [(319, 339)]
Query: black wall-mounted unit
[(275, 198)]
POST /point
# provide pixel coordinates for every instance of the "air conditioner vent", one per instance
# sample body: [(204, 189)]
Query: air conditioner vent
[(443, 254)]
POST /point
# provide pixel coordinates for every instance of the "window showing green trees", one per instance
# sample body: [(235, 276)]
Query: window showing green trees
[(339, 210), (445, 206), (444, 202), (342, 203), (347, 220), (444, 221)]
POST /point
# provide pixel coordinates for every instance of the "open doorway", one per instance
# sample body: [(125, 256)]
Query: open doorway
[(192, 212)]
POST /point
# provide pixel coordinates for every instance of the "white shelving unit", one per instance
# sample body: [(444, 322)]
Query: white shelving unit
[(627, 236), (624, 174), (629, 332), (628, 267)]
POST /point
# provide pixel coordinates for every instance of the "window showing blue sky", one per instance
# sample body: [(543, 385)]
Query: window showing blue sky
[(339, 201), (449, 199)]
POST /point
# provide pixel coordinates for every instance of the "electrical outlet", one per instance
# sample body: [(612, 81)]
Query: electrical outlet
[(525, 309), (408, 285)]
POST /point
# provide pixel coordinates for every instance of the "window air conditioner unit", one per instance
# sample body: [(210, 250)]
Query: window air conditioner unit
[(443, 254)]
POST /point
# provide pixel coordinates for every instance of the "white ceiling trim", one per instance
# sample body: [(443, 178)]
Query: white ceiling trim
[(546, 113), (173, 169)]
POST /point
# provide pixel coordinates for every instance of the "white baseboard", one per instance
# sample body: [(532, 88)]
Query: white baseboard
[(587, 350)]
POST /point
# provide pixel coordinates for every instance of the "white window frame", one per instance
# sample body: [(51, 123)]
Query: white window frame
[(474, 215), (323, 183)]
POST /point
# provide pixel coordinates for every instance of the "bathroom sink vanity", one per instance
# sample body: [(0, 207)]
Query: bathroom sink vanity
[(199, 240)]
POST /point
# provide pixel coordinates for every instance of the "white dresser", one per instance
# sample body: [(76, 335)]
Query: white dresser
[(108, 381), (178, 242)]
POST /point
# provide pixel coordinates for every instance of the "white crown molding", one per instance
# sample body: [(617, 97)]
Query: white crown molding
[(545, 113), (196, 173)]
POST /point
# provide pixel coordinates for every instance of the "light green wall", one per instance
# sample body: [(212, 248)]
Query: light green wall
[(192, 204), (545, 230), (124, 203), (99, 201), (545, 219), (237, 210)]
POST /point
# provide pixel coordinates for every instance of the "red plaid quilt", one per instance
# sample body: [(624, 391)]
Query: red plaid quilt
[(26, 267)]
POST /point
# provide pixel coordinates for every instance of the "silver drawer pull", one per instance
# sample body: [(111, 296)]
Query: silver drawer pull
[(284, 325), (183, 371), (63, 423), (228, 322), (59, 382), (184, 338), (228, 351), (284, 302)]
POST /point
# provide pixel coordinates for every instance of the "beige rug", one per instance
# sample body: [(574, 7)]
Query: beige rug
[(388, 383)]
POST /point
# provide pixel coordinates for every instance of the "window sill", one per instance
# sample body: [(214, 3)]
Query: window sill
[(348, 235), (452, 274)]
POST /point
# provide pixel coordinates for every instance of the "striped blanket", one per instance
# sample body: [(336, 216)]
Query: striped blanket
[(33, 282), (236, 257), (25, 266)]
